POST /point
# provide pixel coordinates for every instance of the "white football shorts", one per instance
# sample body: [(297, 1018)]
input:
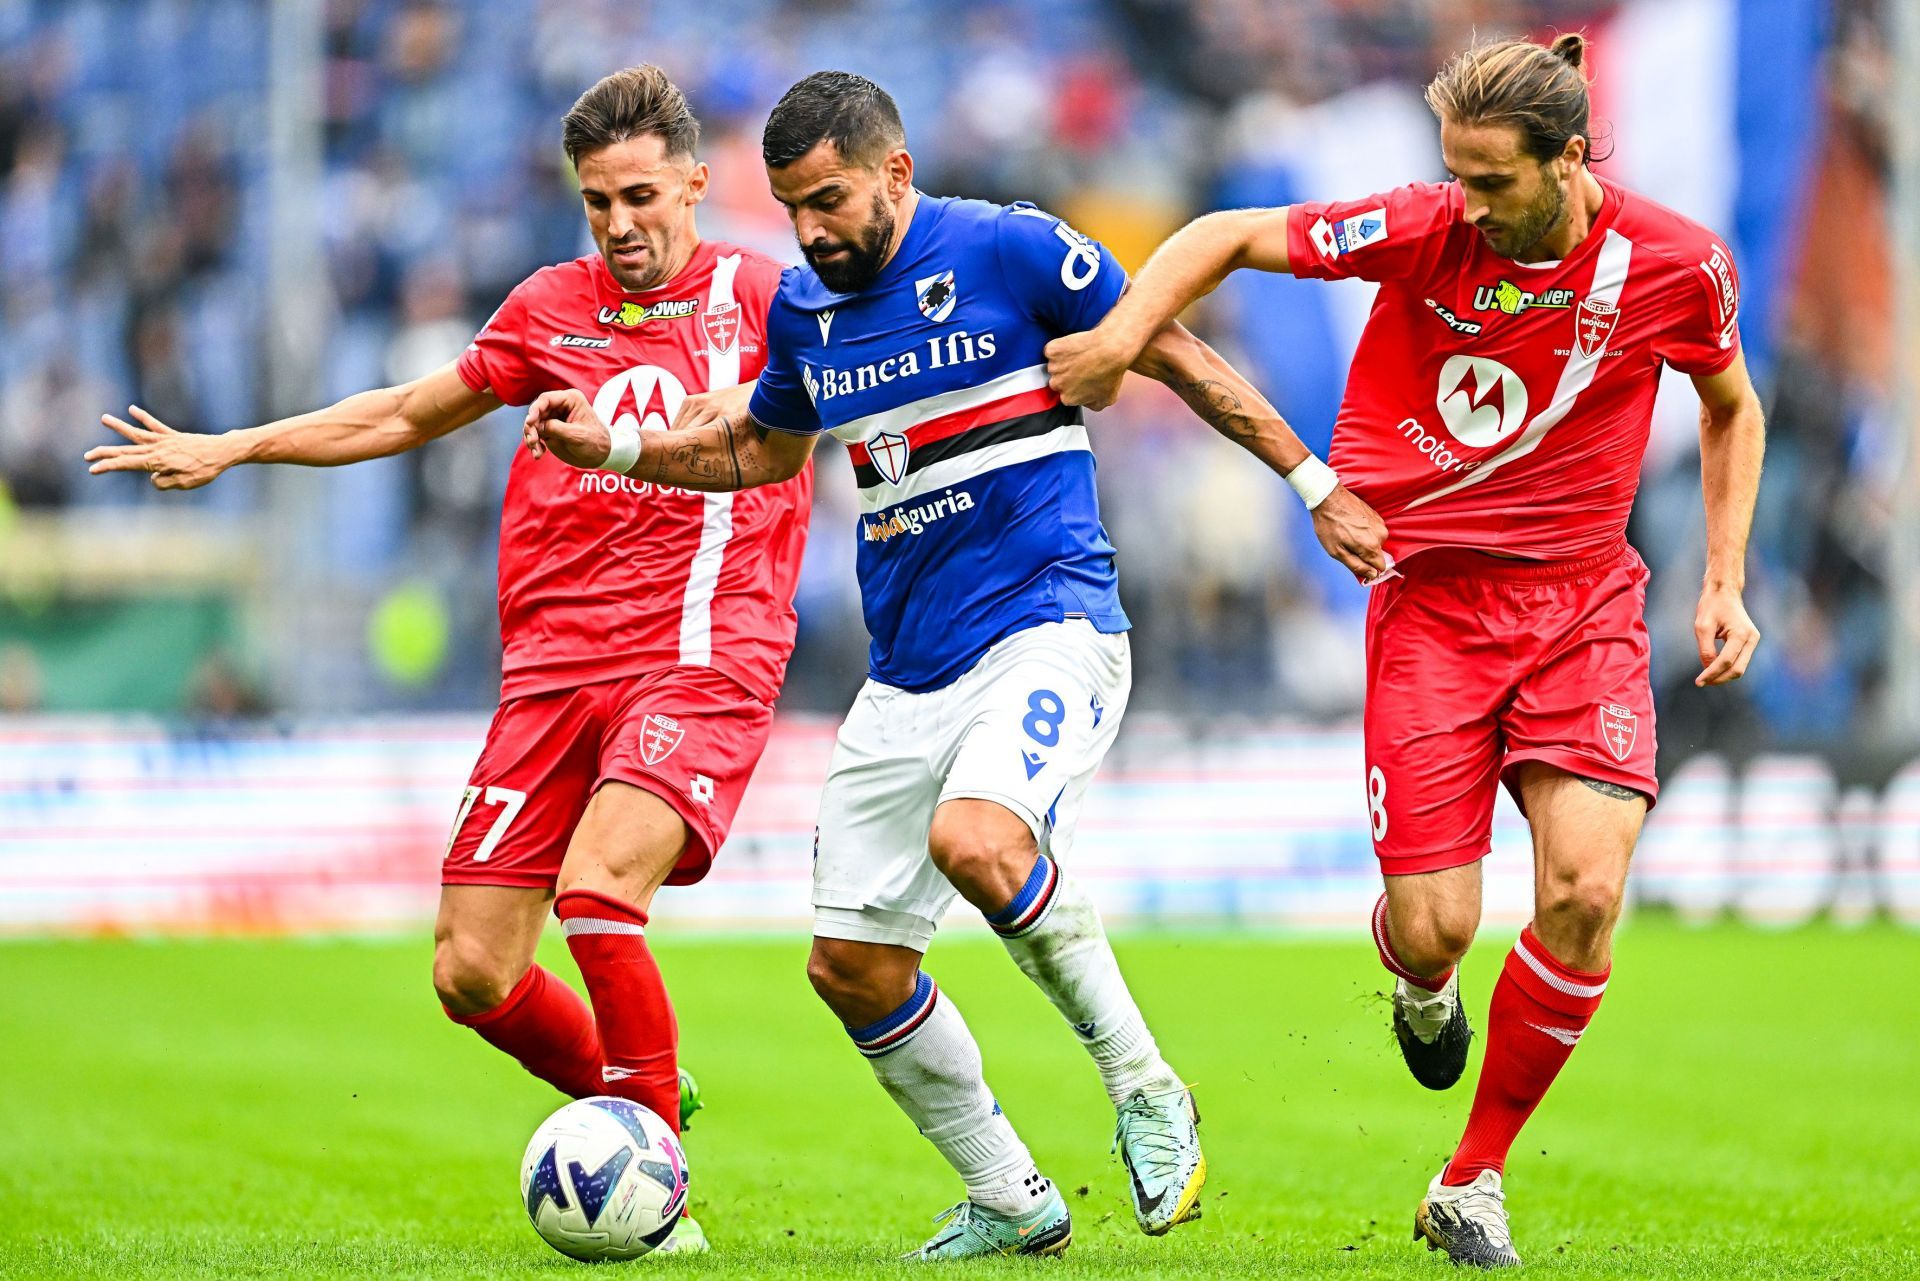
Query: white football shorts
[(1025, 727)]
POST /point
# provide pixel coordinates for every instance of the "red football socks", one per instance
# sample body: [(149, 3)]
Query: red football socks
[(1392, 962), (546, 1026), (639, 1039), (1540, 1008)]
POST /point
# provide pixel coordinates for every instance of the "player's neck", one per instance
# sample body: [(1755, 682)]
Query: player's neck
[(1583, 206), (902, 221), (686, 247)]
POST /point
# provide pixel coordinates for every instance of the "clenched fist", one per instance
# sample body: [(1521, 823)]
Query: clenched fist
[(562, 423), (1086, 369)]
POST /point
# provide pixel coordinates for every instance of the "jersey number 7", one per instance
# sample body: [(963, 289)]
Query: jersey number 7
[(510, 802)]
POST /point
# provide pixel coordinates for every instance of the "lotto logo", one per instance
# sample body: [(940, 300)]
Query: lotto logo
[(1348, 234)]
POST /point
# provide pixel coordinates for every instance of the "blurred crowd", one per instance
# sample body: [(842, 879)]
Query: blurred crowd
[(138, 233)]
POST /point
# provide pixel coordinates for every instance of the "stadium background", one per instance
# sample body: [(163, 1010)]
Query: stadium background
[(251, 706), (248, 711)]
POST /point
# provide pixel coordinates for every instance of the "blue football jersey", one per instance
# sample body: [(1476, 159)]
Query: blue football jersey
[(978, 516)]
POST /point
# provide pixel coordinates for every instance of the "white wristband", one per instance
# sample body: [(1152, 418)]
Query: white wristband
[(623, 449), (1313, 480)]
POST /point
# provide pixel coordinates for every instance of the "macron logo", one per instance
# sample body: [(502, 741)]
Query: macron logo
[(825, 321)]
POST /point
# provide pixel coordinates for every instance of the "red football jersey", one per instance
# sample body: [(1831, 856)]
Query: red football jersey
[(603, 576), (1505, 406)]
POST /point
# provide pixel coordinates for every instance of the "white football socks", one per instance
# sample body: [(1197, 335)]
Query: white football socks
[(934, 1073), (1066, 953)]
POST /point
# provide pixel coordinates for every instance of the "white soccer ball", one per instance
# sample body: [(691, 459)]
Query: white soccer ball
[(604, 1178)]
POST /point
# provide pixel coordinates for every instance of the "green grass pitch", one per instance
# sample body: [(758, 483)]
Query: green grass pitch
[(1748, 1105)]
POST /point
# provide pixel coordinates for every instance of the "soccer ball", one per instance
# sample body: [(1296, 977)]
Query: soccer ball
[(604, 1178)]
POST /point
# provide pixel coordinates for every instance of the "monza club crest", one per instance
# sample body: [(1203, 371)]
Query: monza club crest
[(1617, 725), (722, 324), (1593, 326), (659, 735)]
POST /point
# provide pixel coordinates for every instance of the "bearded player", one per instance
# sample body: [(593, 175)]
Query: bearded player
[(645, 629), (1496, 416), (999, 669)]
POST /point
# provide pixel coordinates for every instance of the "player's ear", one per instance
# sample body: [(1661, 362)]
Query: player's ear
[(1573, 155), (697, 180), (896, 172)]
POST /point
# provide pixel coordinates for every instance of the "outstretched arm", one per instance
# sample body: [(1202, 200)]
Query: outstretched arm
[(732, 451), (1350, 531), (371, 424), (1086, 368), (1733, 440)]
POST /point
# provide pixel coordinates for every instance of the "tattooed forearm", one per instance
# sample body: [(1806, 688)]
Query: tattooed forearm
[(1615, 790), (733, 452), (1219, 406), (687, 462)]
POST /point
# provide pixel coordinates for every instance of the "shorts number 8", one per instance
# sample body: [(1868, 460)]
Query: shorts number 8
[(1045, 711), (1377, 801)]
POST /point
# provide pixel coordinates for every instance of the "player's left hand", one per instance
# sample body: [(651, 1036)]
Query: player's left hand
[(562, 423), (1722, 618), (1085, 370), (1352, 533)]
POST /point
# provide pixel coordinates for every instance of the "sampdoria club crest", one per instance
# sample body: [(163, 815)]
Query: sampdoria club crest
[(936, 296), (889, 451)]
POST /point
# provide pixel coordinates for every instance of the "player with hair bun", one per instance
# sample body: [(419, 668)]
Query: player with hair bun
[(1496, 416)]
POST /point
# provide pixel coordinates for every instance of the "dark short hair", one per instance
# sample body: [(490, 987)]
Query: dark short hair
[(630, 104), (852, 112)]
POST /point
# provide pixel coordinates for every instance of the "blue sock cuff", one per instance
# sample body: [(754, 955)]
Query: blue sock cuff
[(1030, 905), (897, 1028)]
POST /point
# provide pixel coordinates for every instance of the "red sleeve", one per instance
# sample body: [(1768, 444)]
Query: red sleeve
[(1702, 332), (496, 360), (759, 281), (1390, 236)]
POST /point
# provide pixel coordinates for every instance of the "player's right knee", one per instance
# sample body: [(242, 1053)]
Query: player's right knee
[(470, 980), (1432, 943), (983, 849), (857, 991)]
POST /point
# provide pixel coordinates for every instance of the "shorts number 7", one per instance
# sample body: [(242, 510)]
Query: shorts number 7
[(506, 797)]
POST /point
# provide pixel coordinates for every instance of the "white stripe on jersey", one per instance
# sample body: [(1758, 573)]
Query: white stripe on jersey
[(901, 417), (977, 462), (1609, 278), (716, 525)]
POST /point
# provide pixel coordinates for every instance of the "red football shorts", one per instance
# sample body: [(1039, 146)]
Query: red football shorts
[(687, 734), (1476, 663)]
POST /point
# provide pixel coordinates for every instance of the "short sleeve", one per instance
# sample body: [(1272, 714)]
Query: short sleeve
[(1065, 281), (1390, 236), (1702, 333), (496, 360), (780, 399)]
